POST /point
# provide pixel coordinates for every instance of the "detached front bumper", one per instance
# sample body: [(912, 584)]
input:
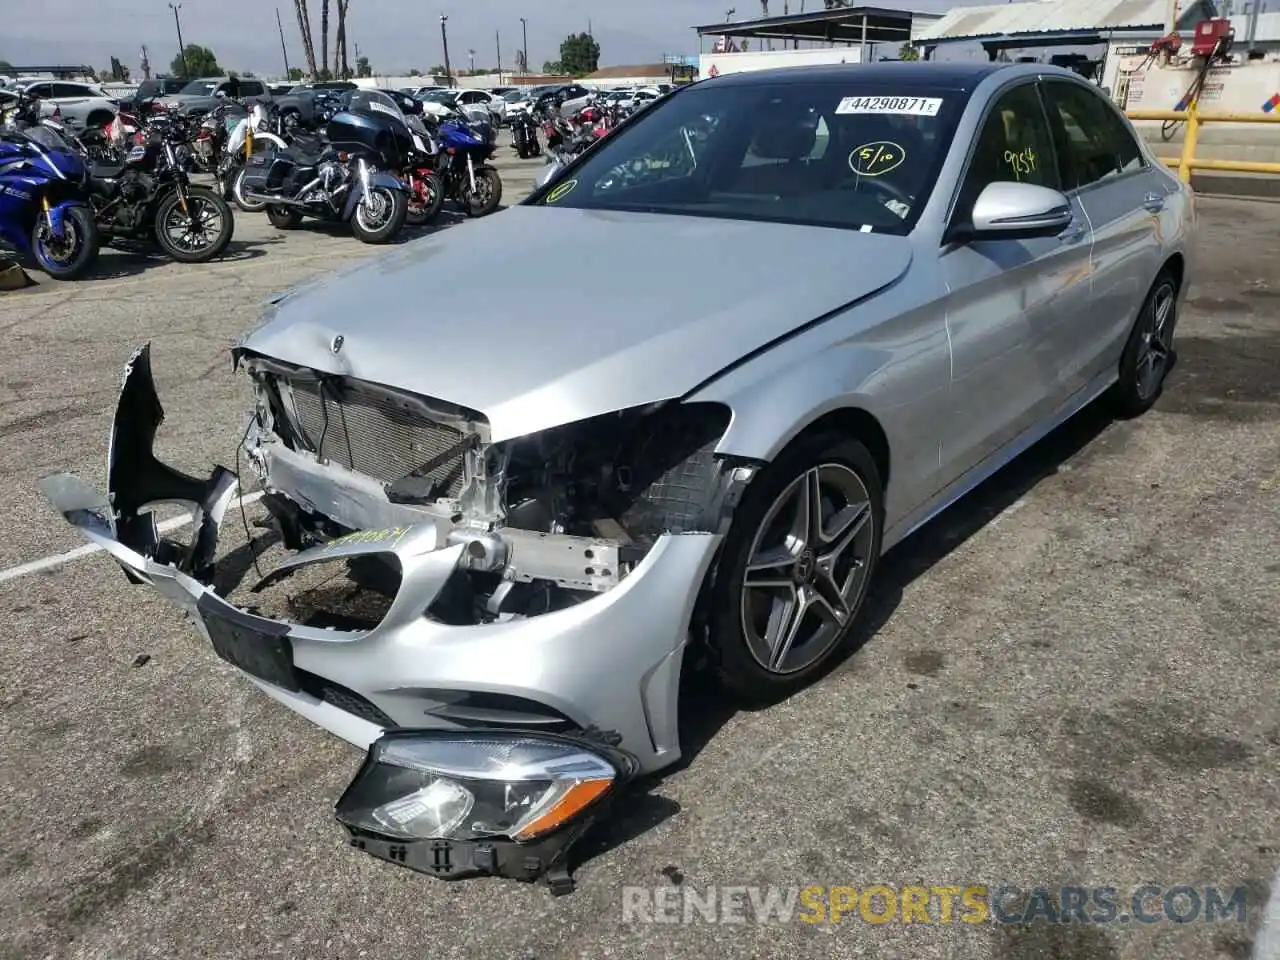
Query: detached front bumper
[(607, 668)]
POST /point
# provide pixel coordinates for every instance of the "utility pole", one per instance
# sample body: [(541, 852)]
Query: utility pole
[(471, 57), (182, 50), (524, 50), (497, 38), (146, 64), (284, 50), (444, 38)]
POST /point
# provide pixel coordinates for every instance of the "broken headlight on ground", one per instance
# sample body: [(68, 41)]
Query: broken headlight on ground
[(458, 804)]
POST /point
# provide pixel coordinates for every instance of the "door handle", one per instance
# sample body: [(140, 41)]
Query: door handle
[(1153, 202)]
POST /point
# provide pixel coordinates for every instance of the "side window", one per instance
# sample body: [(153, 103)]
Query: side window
[(250, 88), (42, 91), (69, 90), (1014, 144), (1093, 142)]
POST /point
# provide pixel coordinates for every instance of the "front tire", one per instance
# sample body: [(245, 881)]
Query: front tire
[(73, 256), (487, 195), (197, 233), (381, 220), (794, 568), (237, 194), (1148, 355), (420, 212)]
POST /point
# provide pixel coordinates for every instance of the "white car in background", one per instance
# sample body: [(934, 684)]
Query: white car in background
[(494, 103), (80, 104)]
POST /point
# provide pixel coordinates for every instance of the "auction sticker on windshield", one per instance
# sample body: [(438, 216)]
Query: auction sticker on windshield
[(561, 191), (910, 106)]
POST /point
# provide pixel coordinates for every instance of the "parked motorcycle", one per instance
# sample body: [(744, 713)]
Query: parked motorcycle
[(462, 165), (350, 178), (426, 195), (257, 129), (43, 209), (149, 196), (524, 135)]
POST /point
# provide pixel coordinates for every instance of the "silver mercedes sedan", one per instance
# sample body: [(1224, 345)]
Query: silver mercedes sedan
[(814, 307)]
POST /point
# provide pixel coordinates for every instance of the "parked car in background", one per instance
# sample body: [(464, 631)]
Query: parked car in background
[(154, 89), (201, 96), (496, 106), (80, 104), (442, 102), (299, 104)]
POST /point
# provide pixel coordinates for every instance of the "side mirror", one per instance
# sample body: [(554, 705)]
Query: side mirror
[(1007, 210)]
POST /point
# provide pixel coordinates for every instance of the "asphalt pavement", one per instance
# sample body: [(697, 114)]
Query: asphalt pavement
[(1069, 679)]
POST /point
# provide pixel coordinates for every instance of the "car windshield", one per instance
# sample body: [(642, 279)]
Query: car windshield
[(441, 96), (514, 96), (824, 153), (200, 88)]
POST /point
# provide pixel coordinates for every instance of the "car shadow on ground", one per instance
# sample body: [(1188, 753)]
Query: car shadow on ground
[(705, 708)]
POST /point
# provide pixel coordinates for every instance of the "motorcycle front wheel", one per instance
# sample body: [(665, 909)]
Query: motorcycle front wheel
[(282, 217), (425, 201), (70, 257), (487, 194), (380, 215), (197, 231), (237, 194)]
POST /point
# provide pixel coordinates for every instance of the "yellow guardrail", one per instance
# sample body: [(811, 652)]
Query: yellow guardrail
[(1193, 119)]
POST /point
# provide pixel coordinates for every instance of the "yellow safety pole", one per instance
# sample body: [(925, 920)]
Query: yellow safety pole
[(1189, 143)]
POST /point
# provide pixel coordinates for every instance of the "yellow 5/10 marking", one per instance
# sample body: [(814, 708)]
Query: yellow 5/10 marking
[(877, 158)]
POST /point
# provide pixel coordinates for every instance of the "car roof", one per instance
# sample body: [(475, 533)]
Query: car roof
[(956, 75)]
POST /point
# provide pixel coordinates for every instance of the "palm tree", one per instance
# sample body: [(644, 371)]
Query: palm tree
[(340, 48), (324, 36), (304, 27)]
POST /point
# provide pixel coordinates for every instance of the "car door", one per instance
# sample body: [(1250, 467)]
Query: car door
[(1122, 196), (1010, 303)]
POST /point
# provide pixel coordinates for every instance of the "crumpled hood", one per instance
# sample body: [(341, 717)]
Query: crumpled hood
[(537, 316)]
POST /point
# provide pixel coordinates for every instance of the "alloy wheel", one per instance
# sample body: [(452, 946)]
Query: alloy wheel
[(197, 228), (807, 568), (1157, 342)]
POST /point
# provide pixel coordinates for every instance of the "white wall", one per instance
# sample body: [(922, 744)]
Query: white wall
[(1236, 88), (766, 59)]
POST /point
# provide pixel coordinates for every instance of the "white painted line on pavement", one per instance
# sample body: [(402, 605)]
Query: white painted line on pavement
[(1267, 946), (58, 559)]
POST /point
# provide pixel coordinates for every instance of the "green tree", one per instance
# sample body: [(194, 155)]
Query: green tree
[(6, 68), (199, 62), (580, 54), (295, 74), (552, 66), (908, 52), (364, 70), (437, 70)]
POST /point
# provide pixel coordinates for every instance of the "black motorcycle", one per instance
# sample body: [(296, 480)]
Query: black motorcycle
[(345, 177), (524, 135), (148, 196)]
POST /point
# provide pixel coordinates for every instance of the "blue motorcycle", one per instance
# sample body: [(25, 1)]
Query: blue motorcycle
[(44, 210), (464, 172)]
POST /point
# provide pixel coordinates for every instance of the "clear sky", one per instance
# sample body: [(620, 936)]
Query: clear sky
[(394, 34)]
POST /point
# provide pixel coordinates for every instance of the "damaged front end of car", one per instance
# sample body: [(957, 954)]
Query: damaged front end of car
[(532, 598)]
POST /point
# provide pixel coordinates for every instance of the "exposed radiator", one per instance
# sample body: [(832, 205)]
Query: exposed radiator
[(374, 435)]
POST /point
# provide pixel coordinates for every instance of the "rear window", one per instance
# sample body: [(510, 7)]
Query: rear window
[(829, 153)]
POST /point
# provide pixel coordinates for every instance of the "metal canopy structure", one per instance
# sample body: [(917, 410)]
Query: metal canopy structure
[(1046, 23), (849, 25)]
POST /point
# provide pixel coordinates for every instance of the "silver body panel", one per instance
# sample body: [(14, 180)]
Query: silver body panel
[(963, 354)]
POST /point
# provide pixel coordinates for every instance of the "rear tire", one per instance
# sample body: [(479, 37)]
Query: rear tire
[(385, 229), (74, 262), (1148, 355), (283, 218), (201, 203)]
